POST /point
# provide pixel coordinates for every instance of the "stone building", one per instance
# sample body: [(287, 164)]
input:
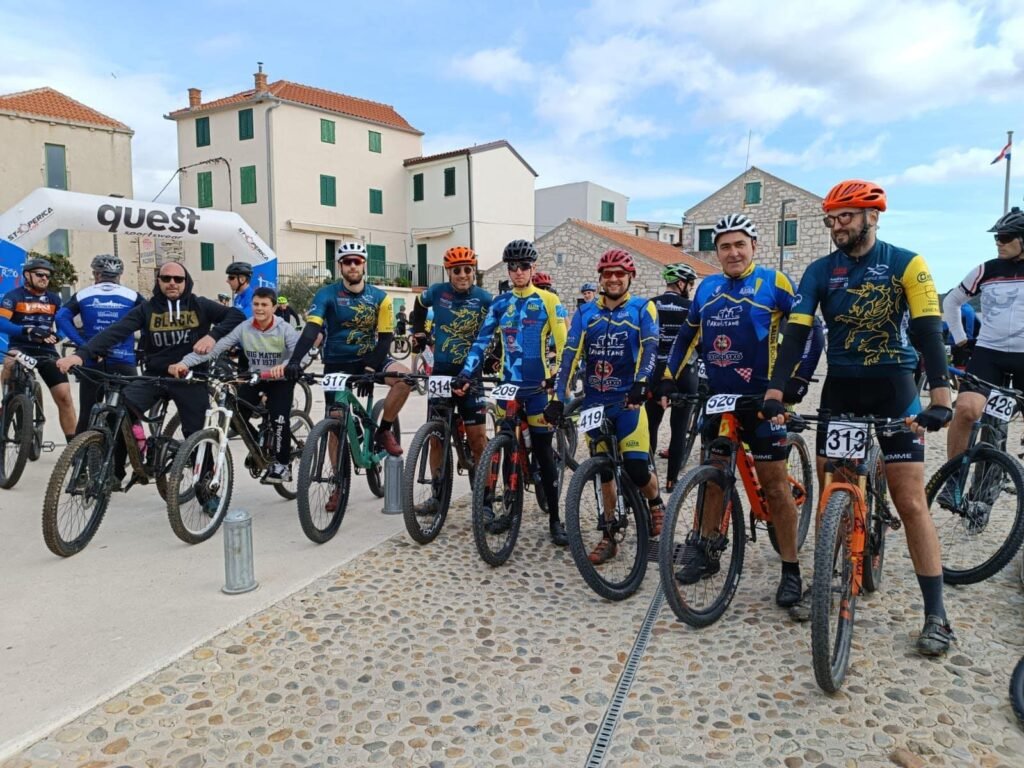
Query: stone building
[(570, 251), (760, 196)]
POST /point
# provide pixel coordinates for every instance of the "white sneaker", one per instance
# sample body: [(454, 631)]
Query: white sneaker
[(278, 473)]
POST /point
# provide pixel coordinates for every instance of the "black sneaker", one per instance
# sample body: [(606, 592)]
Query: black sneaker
[(935, 637), (495, 525), (696, 565), (557, 530), (790, 590), (277, 474), (800, 611)]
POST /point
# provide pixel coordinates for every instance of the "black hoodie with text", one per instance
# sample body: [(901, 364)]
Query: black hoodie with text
[(169, 328)]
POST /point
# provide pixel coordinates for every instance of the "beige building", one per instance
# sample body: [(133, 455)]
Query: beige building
[(761, 196), (582, 200), (51, 140), (661, 231)]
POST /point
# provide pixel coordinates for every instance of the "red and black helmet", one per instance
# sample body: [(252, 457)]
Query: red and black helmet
[(542, 279), (616, 258)]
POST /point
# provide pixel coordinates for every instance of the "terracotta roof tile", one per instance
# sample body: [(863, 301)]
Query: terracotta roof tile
[(663, 253), (46, 102), (311, 97)]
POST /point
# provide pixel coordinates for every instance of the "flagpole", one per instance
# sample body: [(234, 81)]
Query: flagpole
[(1009, 157)]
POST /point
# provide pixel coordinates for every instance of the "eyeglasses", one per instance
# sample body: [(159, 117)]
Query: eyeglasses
[(233, 277), (178, 279), (843, 218), (520, 266), (1007, 238), (351, 262), (465, 270), (40, 274), (614, 274)]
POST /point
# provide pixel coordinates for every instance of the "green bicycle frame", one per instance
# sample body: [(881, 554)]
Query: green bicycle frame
[(360, 447)]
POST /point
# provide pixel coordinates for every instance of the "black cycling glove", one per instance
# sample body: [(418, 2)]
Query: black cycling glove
[(637, 393), (771, 408), (36, 334), (934, 417), (553, 412), (460, 383), (795, 390), (293, 371), (364, 388), (961, 353)]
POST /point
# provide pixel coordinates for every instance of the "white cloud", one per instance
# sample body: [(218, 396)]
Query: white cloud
[(499, 68), (826, 151), (950, 164)]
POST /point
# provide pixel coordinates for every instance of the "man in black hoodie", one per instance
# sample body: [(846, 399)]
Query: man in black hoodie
[(173, 323)]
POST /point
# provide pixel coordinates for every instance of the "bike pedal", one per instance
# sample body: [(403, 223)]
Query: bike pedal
[(49, 446)]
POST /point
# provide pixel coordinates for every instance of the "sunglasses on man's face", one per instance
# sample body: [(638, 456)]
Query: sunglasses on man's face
[(520, 266), (41, 274), (614, 274), (172, 279), (1004, 239), (462, 270), (351, 262)]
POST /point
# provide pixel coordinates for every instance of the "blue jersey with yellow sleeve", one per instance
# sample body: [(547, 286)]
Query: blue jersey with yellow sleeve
[(525, 318), (867, 304), (457, 320), (351, 321), (616, 348), (734, 323)]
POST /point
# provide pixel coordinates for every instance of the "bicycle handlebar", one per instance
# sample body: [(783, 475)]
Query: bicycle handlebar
[(971, 378)]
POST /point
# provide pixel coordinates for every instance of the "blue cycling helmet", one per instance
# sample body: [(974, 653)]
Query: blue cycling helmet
[(588, 287)]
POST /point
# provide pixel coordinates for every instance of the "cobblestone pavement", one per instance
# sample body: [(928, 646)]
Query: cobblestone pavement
[(424, 656)]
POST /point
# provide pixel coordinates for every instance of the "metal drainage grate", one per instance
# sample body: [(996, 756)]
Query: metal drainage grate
[(603, 738)]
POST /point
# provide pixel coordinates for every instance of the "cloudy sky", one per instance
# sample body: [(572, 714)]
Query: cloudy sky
[(653, 98)]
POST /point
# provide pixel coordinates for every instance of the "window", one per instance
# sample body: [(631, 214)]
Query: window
[(248, 174), (244, 124), (204, 182), (56, 166), (421, 263), (375, 141), (607, 211), (58, 242), (376, 201), (449, 182), (376, 258), (417, 187), (202, 131), (559, 258), (705, 239), (752, 193), (790, 233), (206, 257), (327, 131), (328, 194)]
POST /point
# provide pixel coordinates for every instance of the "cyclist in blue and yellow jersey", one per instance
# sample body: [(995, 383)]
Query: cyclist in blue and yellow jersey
[(735, 318), (460, 307), (615, 340), (526, 317), (357, 321), (875, 298)]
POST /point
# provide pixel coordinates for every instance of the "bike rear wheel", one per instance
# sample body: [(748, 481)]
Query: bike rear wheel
[(375, 473), (984, 530), (702, 602), (15, 440), (833, 604), (172, 427), (1017, 691), (498, 487), (77, 495), (39, 418), (324, 485), (425, 498), (586, 525), (301, 426), (875, 528), (800, 473), (197, 499), (302, 397)]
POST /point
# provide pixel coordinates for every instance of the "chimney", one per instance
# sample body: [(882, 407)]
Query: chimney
[(195, 98), (260, 79)]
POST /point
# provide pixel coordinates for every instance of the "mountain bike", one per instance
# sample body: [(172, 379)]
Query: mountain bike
[(982, 490), (80, 486), (21, 420), (343, 439), (1017, 691), (715, 526)]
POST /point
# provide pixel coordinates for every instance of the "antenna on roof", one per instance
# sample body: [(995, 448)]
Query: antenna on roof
[(747, 163), (260, 65)]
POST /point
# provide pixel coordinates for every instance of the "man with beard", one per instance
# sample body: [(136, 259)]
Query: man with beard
[(871, 293)]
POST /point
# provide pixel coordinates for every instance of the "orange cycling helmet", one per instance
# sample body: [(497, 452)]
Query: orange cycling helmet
[(854, 193), (617, 258), (459, 255), (542, 279)]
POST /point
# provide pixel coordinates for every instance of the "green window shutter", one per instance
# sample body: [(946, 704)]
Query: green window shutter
[(376, 201), (375, 141), (705, 239), (244, 124), (248, 174), (752, 193), (327, 131), (202, 131), (790, 232), (421, 263), (417, 187), (206, 257), (376, 258), (449, 182), (56, 167), (328, 195), (607, 211), (204, 184)]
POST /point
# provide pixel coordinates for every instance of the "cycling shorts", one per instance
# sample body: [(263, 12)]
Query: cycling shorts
[(472, 407), (46, 367), (891, 397), (1002, 368), (357, 368), (767, 441), (630, 426), (534, 402)]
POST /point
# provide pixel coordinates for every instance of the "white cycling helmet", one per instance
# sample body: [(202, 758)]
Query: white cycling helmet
[(350, 249), (735, 222)]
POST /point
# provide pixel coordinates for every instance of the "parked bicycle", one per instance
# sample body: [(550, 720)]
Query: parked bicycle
[(981, 493), (718, 530), (21, 420), (1017, 691), (335, 444)]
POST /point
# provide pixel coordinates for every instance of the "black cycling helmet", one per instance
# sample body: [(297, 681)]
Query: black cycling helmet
[(239, 268), (37, 263), (519, 250), (106, 265), (1010, 223)]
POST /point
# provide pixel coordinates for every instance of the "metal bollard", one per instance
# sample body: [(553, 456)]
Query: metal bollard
[(392, 485), (238, 563)]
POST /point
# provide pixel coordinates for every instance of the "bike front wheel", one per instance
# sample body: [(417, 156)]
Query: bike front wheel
[(375, 473), (1017, 691), (77, 495), (16, 439), (39, 418), (876, 527), (833, 602), (199, 487), (498, 500), (426, 495), (324, 482)]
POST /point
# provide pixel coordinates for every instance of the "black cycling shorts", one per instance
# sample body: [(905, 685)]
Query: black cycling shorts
[(883, 397), (46, 367), (1002, 368), (472, 408), (767, 441)]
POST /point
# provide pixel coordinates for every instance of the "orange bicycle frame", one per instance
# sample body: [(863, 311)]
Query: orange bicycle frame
[(857, 536)]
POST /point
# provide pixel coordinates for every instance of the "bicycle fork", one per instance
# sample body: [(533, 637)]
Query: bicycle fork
[(217, 418)]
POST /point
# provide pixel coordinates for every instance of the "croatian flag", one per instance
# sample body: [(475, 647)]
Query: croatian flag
[(1005, 152)]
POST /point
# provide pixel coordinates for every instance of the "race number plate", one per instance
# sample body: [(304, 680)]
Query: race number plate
[(439, 386), (334, 382), (846, 440), (1000, 406), (505, 391), (701, 371), (721, 404), (28, 362), (591, 418)]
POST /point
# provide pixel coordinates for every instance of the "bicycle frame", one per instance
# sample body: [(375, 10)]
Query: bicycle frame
[(218, 417), (608, 437), (360, 446), (856, 538)]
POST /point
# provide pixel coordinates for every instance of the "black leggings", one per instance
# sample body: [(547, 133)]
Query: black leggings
[(677, 423), (545, 459), (279, 406), (636, 469)]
